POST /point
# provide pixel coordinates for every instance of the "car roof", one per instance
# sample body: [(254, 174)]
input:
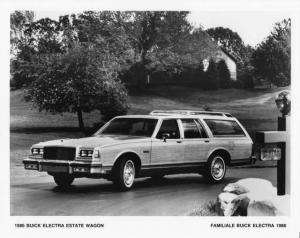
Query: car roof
[(158, 114)]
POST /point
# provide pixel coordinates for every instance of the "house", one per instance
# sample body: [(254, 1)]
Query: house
[(230, 61)]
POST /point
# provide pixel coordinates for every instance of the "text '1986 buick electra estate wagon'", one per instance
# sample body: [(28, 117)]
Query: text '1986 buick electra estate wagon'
[(154, 145)]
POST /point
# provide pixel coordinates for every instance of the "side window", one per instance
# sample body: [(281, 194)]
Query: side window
[(201, 129), (191, 129), (224, 128), (169, 127)]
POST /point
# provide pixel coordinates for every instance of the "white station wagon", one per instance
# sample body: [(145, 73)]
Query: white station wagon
[(154, 145)]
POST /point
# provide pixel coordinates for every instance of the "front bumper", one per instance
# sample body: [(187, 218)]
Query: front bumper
[(65, 166)]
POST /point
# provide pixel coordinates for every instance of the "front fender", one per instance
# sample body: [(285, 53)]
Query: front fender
[(124, 152), (142, 150)]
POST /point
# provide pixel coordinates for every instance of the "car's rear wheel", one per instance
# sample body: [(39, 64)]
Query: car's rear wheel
[(215, 169), (63, 180), (124, 174)]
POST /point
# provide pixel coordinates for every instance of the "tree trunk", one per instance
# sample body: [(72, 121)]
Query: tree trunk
[(80, 119), (142, 70)]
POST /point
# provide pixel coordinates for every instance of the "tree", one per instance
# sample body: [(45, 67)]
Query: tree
[(47, 36), (38, 37), (211, 81), (152, 35), (183, 57), (73, 65), (83, 79), (232, 43), (272, 57), (44, 36), (18, 22), (223, 74)]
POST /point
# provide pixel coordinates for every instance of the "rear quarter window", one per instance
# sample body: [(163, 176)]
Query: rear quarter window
[(224, 127)]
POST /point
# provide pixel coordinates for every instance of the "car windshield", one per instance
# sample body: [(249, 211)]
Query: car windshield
[(130, 126)]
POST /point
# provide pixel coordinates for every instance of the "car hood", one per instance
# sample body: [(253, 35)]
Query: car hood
[(94, 141)]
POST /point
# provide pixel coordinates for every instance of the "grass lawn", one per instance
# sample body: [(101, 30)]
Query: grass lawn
[(255, 109)]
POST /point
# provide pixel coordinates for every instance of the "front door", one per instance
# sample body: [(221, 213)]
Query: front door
[(167, 147)]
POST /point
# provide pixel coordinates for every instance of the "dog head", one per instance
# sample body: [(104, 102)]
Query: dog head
[(229, 203)]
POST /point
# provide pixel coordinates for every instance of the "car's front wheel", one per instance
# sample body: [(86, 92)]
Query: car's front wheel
[(63, 180), (124, 174), (215, 169)]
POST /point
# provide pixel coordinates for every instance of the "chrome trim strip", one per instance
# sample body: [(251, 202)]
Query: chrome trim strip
[(62, 162)]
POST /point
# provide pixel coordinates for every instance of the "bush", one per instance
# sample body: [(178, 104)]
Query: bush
[(135, 75), (210, 79), (245, 80), (223, 74), (199, 76), (281, 80), (114, 100)]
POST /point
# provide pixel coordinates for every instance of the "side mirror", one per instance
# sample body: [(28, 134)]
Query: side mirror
[(165, 136)]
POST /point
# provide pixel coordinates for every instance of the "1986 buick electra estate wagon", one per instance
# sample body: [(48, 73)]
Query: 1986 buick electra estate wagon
[(154, 145)]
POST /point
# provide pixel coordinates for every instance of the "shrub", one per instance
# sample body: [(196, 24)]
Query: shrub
[(134, 76), (114, 99), (223, 74), (245, 80), (281, 80), (199, 76), (210, 79)]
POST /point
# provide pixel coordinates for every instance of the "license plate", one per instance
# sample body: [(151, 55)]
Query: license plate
[(55, 168), (270, 153)]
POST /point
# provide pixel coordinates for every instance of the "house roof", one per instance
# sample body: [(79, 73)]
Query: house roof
[(229, 55)]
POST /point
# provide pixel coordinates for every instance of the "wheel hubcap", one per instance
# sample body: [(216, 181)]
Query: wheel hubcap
[(218, 168), (129, 173)]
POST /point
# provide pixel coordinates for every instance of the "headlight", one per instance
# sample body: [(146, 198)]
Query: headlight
[(37, 151), (86, 153)]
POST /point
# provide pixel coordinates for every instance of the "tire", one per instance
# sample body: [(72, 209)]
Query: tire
[(215, 169), (63, 180), (124, 174)]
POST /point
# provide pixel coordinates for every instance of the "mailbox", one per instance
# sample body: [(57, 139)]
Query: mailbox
[(275, 145), (270, 144)]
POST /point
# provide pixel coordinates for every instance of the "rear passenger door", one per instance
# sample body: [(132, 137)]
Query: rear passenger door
[(195, 140)]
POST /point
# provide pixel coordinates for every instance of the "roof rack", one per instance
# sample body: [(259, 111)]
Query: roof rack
[(188, 112)]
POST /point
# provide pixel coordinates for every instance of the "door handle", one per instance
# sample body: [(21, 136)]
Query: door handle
[(179, 141), (206, 141)]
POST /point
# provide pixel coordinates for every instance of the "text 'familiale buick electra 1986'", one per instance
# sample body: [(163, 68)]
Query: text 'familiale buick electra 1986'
[(154, 145)]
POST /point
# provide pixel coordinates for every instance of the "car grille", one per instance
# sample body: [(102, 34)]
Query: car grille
[(59, 153)]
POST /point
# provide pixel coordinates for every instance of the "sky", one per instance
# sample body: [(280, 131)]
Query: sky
[(253, 27)]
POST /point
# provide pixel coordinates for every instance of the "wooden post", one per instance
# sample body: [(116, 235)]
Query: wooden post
[(281, 175), (282, 139), (288, 157)]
